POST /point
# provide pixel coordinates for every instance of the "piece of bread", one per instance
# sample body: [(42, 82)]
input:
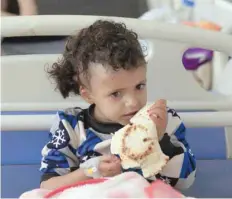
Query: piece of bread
[(138, 146), (142, 117)]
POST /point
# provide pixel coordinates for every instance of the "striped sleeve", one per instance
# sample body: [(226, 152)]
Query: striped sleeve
[(59, 154), (181, 168)]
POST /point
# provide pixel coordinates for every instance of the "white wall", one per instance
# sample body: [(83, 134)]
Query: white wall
[(168, 78), (211, 10), (24, 79), (218, 11)]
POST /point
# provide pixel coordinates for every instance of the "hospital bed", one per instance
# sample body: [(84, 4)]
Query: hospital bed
[(29, 103)]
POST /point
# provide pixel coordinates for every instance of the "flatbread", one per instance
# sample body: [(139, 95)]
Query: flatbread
[(142, 116), (138, 146)]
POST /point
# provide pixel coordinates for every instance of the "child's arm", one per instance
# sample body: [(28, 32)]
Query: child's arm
[(181, 168), (60, 164), (67, 179)]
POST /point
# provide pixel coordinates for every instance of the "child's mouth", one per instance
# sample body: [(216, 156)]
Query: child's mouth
[(131, 114)]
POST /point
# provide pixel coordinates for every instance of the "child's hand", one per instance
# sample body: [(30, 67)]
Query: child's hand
[(109, 166), (158, 114)]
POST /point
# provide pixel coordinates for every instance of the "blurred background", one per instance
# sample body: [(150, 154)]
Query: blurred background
[(208, 68), (22, 45)]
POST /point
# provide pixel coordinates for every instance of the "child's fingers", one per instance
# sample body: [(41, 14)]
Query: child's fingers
[(157, 109), (159, 113), (158, 106), (154, 118), (157, 120), (108, 169), (115, 168), (161, 101), (116, 159), (104, 168), (106, 158), (109, 158)]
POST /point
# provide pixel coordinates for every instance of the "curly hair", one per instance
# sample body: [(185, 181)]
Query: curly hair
[(106, 42)]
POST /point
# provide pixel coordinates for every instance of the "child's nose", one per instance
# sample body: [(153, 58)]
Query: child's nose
[(132, 102)]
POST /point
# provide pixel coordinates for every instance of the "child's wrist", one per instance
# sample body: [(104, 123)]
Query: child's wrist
[(92, 172), (160, 133), (90, 168)]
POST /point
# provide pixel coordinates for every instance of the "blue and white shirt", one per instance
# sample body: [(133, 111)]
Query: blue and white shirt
[(75, 134)]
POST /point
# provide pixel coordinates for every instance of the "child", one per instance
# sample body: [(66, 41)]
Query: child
[(105, 65)]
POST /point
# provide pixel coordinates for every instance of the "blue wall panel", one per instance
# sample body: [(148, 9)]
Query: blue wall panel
[(25, 147), (16, 179), (22, 147), (207, 143)]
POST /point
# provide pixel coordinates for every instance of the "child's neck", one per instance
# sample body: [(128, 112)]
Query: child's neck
[(98, 116)]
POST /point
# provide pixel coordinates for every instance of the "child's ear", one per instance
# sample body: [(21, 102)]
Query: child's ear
[(85, 94)]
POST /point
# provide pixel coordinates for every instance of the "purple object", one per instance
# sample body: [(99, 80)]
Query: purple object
[(193, 58)]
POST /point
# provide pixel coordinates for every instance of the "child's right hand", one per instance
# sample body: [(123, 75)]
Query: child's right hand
[(109, 166)]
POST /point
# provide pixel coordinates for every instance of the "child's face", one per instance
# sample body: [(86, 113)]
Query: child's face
[(118, 95)]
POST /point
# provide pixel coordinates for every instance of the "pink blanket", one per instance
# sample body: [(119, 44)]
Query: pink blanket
[(126, 185)]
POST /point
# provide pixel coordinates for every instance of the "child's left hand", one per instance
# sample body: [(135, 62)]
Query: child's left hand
[(158, 114)]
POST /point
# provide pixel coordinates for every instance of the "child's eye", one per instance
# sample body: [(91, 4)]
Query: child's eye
[(140, 86), (116, 94)]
